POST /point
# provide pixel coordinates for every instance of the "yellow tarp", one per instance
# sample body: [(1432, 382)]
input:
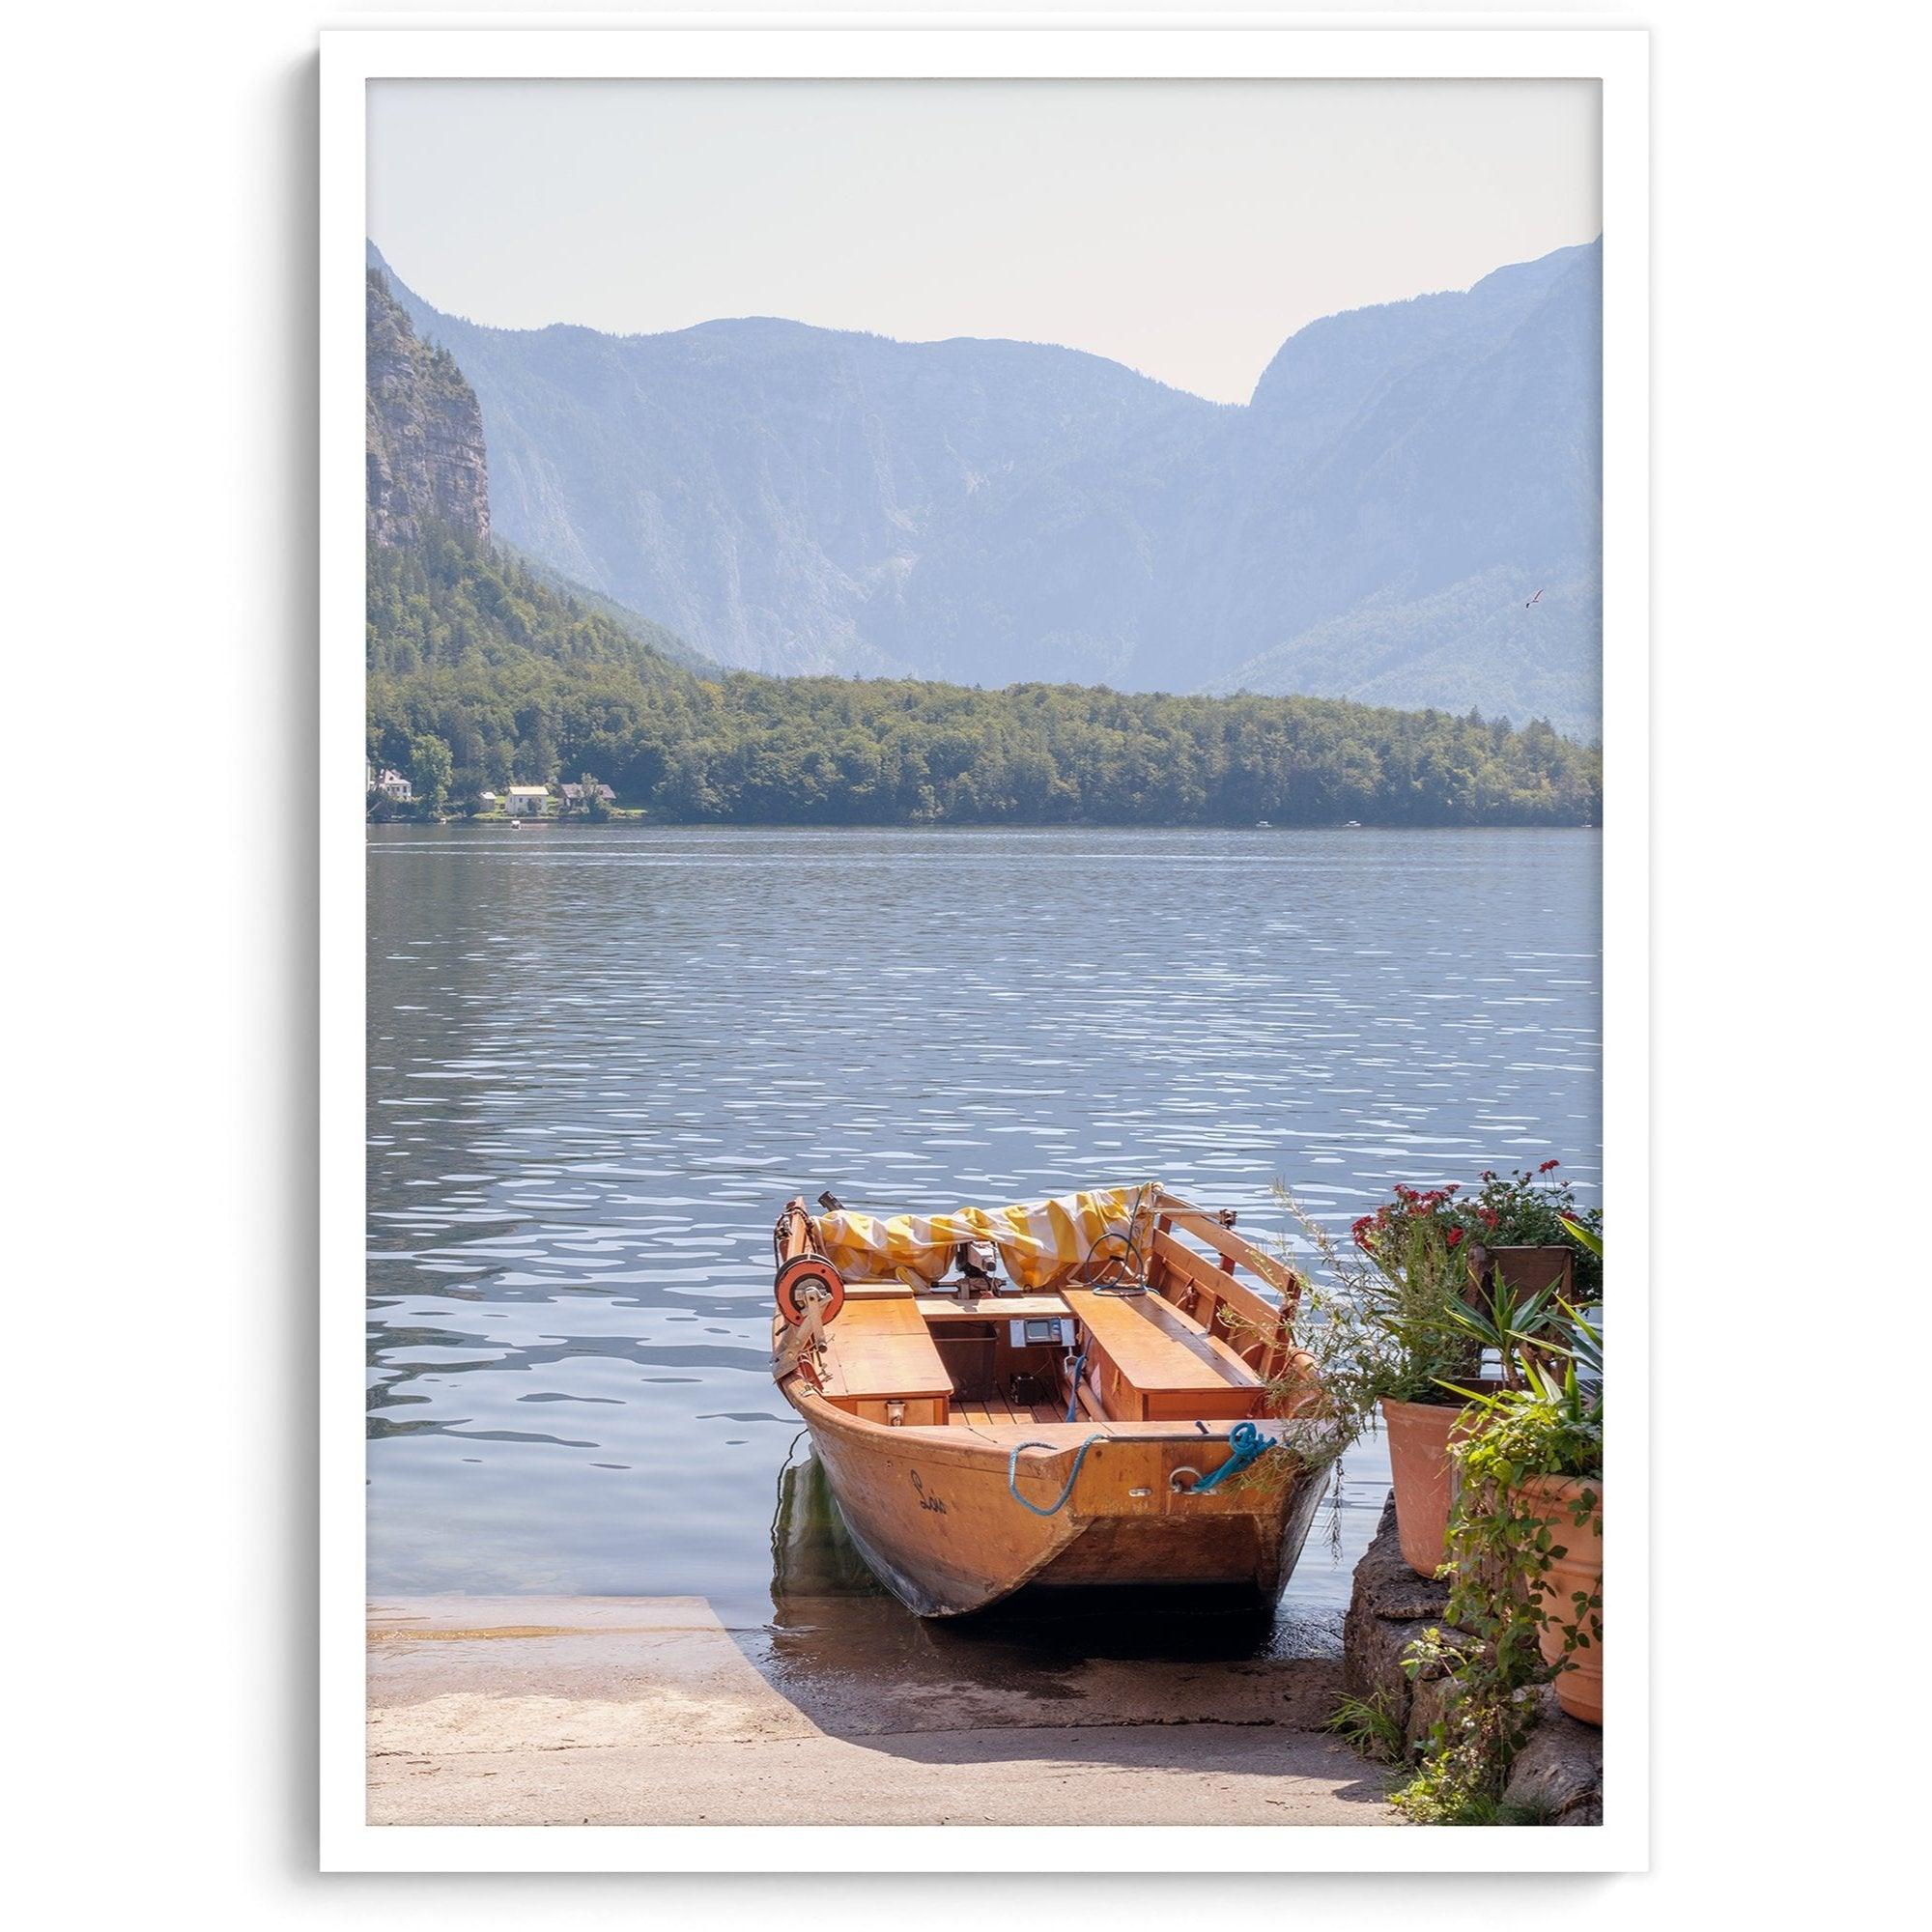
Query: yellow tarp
[(1037, 1240)]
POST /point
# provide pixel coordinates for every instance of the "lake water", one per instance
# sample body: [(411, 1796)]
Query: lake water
[(600, 1060)]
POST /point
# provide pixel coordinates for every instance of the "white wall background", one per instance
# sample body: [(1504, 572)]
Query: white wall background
[(160, 1154)]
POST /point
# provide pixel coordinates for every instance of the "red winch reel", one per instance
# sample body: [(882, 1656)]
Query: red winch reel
[(804, 1272)]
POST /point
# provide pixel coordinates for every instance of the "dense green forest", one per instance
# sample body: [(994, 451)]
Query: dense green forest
[(482, 673)]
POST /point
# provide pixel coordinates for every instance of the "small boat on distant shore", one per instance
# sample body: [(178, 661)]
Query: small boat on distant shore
[(1093, 1416)]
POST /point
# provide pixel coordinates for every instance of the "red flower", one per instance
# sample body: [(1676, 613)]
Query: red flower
[(1454, 1235), (1547, 1165)]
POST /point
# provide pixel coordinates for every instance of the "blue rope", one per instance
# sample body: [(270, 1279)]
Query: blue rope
[(1249, 1445), (1073, 1389), (1059, 1501)]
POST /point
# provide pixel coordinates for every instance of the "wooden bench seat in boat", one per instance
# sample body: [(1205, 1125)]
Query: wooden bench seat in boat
[(879, 1353), (1157, 1364)]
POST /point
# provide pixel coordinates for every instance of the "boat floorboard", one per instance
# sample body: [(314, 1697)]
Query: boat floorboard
[(996, 1412)]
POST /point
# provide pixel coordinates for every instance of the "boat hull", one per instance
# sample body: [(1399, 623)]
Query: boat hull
[(932, 1510)]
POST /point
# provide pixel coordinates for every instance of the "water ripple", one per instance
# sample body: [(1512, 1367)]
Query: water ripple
[(601, 1059)]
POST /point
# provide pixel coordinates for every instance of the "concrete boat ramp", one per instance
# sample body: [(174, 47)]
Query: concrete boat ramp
[(648, 1711)]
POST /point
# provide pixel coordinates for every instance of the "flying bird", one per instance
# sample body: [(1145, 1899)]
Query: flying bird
[(1537, 599)]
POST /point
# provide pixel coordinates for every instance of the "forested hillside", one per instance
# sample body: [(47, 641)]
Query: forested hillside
[(472, 653), (666, 642)]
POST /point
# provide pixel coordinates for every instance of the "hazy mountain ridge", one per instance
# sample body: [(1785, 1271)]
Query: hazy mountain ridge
[(1464, 480), (1370, 526)]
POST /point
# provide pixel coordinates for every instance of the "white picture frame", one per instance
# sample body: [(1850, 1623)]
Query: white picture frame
[(835, 46)]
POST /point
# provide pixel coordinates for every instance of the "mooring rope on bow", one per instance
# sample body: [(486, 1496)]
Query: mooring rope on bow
[(1072, 1476), (1249, 1445)]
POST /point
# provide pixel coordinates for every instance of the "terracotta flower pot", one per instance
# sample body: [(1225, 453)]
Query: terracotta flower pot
[(1528, 1270), (1418, 1438), (1580, 1689)]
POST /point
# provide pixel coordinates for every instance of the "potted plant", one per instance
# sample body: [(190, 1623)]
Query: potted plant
[(1413, 1242), (1405, 1323), (1525, 1572), (1384, 1341), (1532, 1476), (1535, 1482), (1520, 1229), (1565, 1492)]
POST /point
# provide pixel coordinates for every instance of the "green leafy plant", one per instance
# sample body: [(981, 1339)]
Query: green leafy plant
[(1510, 1332), (1377, 1322), (1400, 1313), (1370, 1729), (1399, 1316)]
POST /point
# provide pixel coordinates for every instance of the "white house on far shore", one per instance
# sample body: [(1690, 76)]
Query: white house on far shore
[(526, 800)]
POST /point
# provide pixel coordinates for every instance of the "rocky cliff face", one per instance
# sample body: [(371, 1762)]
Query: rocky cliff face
[(425, 433)]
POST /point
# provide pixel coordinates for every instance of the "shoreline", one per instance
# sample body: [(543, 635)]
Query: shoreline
[(642, 822), (642, 1711)]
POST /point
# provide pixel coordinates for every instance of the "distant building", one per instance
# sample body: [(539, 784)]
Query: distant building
[(527, 801), (486, 799), (574, 799), (393, 786)]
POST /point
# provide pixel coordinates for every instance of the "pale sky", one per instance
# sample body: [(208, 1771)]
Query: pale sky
[(1184, 228)]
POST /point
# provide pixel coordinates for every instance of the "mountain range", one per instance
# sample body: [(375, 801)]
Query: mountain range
[(1374, 523), (488, 667)]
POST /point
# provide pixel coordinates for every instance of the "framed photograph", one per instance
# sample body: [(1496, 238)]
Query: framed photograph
[(984, 1011)]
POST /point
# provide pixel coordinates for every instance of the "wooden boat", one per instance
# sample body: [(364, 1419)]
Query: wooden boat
[(1141, 1418)]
